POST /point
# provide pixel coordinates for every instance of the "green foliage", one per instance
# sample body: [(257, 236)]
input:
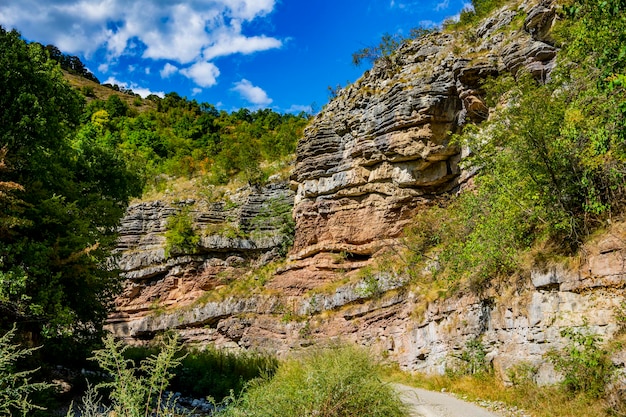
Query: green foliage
[(212, 372), (472, 359), (551, 160), (474, 238), (219, 373), (276, 217), (387, 46), (586, 366), (88, 91), (369, 286), (182, 138), (337, 381), (478, 10), (68, 193), (180, 236), (136, 391), (15, 386), (522, 374), (70, 63)]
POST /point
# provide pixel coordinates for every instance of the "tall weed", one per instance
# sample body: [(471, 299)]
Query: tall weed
[(134, 391), (15, 386)]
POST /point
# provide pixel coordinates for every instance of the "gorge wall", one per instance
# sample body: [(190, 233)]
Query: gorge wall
[(367, 163)]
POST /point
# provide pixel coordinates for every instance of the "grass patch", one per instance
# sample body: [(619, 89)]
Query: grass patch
[(470, 16), (336, 381)]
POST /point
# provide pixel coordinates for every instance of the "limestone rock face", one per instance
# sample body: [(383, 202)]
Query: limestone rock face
[(517, 324), (367, 163), (382, 148), (241, 231)]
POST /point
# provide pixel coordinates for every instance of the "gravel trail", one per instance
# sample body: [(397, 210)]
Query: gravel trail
[(423, 403)]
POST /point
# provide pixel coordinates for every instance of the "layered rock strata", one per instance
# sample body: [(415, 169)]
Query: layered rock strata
[(243, 230), (366, 164), (517, 323), (382, 148)]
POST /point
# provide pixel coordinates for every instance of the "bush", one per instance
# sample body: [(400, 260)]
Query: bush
[(275, 217), (387, 46), (332, 382), (180, 236), (585, 365), (133, 391), (474, 13), (472, 359)]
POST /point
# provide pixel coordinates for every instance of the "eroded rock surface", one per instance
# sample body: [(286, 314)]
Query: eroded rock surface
[(382, 147), (366, 164), (243, 230)]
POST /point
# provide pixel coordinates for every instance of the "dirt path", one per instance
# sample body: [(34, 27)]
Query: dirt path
[(425, 403)]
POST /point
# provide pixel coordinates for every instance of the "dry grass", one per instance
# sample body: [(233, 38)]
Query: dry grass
[(103, 93)]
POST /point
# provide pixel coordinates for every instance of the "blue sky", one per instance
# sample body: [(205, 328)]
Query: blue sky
[(281, 54)]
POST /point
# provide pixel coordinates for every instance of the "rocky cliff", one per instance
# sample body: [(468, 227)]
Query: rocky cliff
[(240, 231), (367, 163)]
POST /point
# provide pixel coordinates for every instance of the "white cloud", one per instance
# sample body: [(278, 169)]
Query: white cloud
[(443, 5), (428, 24), (249, 9), (232, 43), (253, 94), (196, 91), (202, 73), (176, 30), (168, 70), (297, 108), (143, 92)]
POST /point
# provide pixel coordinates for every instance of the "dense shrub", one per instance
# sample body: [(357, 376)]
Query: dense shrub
[(180, 236), (15, 386), (132, 389), (332, 382), (473, 13), (551, 159)]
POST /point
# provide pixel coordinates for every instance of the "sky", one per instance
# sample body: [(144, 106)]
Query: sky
[(278, 54)]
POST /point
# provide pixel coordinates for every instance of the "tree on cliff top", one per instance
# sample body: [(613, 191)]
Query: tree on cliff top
[(59, 223)]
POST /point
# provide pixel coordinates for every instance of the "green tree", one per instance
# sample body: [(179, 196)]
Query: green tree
[(584, 363), (53, 271), (115, 106), (180, 236), (551, 157), (385, 48)]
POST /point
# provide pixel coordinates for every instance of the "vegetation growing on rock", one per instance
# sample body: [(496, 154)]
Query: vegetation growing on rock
[(544, 157)]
